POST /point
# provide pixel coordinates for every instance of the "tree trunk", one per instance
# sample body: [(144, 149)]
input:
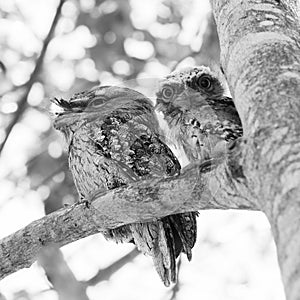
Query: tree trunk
[(260, 55)]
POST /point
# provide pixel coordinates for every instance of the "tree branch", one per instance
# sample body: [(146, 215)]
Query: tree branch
[(104, 274), (60, 275), (38, 65), (205, 187)]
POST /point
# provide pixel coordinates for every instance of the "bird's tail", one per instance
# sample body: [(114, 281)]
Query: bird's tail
[(164, 240), (185, 226)]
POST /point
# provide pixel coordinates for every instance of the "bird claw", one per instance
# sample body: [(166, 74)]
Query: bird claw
[(87, 203)]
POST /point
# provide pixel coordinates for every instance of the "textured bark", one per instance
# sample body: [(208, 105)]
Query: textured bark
[(142, 201), (260, 54), (21, 249)]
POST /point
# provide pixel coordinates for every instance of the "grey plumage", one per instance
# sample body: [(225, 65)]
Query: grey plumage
[(201, 119), (113, 139)]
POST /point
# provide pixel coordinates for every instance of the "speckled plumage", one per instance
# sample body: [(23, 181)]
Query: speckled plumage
[(201, 119), (113, 139)]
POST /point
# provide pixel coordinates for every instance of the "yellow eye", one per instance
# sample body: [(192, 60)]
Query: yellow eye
[(167, 92), (205, 82)]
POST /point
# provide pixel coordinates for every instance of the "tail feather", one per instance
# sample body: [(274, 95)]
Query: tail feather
[(186, 228), (165, 259), (164, 240), (156, 241), (173, 244)]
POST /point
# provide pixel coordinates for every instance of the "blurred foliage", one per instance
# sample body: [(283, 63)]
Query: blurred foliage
[(95, 41)]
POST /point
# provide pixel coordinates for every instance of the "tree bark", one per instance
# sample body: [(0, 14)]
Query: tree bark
[(206, 186), (260, 54)]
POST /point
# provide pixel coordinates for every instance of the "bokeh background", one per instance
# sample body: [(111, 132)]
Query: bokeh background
[(130, 42)]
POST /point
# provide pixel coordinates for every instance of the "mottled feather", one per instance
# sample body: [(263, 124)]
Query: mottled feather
[(113, 139), (201, 119)]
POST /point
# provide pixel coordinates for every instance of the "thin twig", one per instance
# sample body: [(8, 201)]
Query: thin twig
[(104, 274), (23, 101), (3, 67)]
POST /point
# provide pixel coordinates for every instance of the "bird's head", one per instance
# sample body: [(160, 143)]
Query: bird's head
[(183, 90), (98, 103)]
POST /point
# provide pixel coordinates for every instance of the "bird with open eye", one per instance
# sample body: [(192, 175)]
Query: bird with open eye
[(113, 139), (201, 119)]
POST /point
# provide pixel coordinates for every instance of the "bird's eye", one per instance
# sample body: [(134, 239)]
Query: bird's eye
[(97, 102), (167, 92), (204, 82)]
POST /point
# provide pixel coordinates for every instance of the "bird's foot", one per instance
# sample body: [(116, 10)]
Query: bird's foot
[(86, 202)]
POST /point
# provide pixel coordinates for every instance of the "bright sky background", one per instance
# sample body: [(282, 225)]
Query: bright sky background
[(235, 256)]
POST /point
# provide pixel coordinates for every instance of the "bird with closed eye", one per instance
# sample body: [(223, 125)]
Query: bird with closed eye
[(201, 119), (113, 139)]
